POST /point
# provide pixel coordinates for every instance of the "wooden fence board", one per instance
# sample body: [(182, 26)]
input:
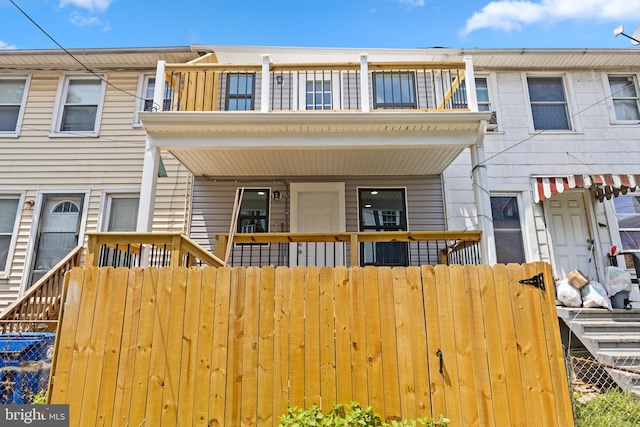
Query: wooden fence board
[(113, 345), (221, 346), (265, 347), (205, 344)]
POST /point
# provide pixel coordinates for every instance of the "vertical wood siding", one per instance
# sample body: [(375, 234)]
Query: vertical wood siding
[(230, 347)]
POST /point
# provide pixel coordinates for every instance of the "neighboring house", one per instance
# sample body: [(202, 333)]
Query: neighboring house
[(331, 134), (71, 151), (537, 148)]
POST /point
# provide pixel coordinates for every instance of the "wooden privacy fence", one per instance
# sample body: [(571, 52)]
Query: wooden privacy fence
[(230, 347)]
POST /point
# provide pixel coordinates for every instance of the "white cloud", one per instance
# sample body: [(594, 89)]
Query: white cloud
[(4, 45), (413, 2), (92, 5), (510, 15), (83, 21)]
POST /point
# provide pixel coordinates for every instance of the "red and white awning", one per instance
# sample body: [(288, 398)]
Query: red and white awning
[(604, 186)]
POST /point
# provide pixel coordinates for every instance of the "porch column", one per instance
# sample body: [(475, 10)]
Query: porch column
[(148, 187), (482, 199), (470, 85), (364, 82), (264, 92), (158, 90)]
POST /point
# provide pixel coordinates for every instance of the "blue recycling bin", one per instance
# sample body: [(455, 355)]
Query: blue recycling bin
[(25, 362)]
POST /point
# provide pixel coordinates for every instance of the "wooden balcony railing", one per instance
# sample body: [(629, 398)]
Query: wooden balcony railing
[(424, 86), (37, 309), (146, 249), (394, 248)]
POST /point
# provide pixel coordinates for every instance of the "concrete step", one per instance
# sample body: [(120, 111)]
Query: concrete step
[(608, 341), (608, 326), (626, 358), (575, 314)]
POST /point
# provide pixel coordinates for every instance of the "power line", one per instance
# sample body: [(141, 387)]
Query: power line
[(72, 56)]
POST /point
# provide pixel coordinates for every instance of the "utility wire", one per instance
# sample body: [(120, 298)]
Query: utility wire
[(74, 58)]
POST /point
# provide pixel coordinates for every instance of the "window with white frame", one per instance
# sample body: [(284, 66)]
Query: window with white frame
[(121, 212), (9, 204), (548, 103), (507, 229), (318, 94), (80, 106), (145, 94), (12, 101), (628, 215), (624, 95), (482, 93)]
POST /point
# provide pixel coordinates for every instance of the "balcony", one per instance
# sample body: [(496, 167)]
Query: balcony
[(328, 87)]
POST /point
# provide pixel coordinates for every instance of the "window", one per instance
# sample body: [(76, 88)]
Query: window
[(482, 93), (548, 103), (121, 212), (254, 211), (628, 214), (81, 104), (318, 95), (240, 90), (507, 229), (383, 209), (624, 94), (394, 90), (12, 100), (145, 95), (8, 223)]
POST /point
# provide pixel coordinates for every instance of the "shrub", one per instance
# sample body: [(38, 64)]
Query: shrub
[(348, 415)]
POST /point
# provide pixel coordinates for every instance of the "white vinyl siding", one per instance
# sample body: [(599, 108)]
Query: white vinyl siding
[(13, 92)]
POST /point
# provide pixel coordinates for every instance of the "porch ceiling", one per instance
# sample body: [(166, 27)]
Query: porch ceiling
[(275, 144)]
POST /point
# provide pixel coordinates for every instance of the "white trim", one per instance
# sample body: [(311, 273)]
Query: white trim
[(148, 186), (609, 97), (569, 98), (35, 226), (16, 132), (4, 273), (317, 187), (63, 86), (105, 203)]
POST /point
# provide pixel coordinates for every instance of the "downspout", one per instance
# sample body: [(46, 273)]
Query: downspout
[(479, 177)]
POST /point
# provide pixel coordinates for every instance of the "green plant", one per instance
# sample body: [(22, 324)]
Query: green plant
[(613, 408), (348, 415), (39, 398)]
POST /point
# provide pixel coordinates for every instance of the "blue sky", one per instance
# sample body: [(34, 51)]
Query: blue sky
[(328, 23)]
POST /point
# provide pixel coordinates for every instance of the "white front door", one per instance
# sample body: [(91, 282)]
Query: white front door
[(317, 208), (571, 239), (58, 233)]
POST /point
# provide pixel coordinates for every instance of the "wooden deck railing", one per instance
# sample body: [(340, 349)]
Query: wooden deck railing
[(401, 248), (424, 86), (142, 249), (37, 309)]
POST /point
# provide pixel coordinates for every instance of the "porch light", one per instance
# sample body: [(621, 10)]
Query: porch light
[(367, 205), (260, 193), (374, 192), (279, 80)]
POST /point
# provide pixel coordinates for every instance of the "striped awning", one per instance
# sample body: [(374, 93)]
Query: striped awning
[(603, 186)]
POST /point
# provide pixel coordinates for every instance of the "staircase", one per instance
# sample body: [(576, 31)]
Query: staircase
[(612, 338)]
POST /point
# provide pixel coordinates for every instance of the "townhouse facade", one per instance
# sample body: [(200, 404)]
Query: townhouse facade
[(535, 148)]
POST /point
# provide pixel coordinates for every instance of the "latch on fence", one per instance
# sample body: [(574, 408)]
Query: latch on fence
[(536, 281)]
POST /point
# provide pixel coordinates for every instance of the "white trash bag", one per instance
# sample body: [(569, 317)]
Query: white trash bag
[(568, 294), (617, 280), (595, 295)]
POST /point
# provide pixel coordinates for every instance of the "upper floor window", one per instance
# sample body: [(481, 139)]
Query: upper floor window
[(253, 216), (240, 91), (145, 97), (318, 95), (482, 93), (8, 225), (394, 90), (548, 103), (12, 99), (624, 94), (81, 105), (507, 229)]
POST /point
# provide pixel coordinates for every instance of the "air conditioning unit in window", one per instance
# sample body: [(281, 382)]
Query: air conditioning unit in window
[(492, 125)]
